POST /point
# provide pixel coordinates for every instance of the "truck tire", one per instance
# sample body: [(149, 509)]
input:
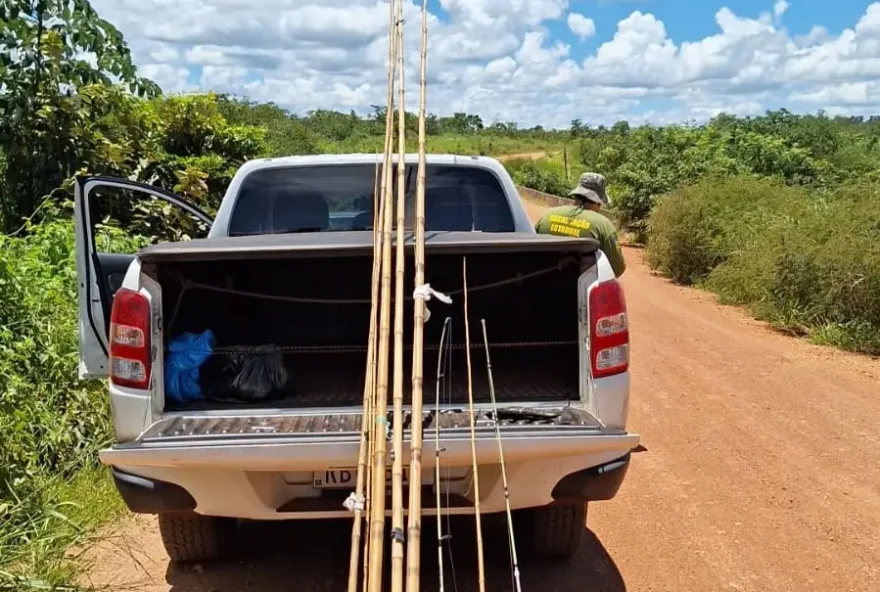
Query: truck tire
[(559, 529), (191, 537)]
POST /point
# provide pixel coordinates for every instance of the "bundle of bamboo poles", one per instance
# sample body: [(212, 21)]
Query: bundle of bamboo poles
[(369, 499)]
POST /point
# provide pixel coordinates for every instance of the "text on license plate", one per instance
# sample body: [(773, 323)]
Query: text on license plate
[(347, 478)]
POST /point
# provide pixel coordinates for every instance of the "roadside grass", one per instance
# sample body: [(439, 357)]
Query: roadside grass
[(858, 337), (806, 261), (44, 551), (546, 174), (52, 492)]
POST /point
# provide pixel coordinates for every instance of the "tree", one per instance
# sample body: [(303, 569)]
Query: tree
[(462, 123), (50, 52), (621, 128), (286, 134)]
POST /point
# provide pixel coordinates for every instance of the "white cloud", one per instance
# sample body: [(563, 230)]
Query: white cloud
[(639, 54), (779, 9), (500, 58), (854, 93), (487, 13), (170, 78), (581, 26), (164, 54), (223, 78)]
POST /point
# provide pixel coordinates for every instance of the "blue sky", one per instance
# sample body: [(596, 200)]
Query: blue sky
[(531, 61), (695, 19)]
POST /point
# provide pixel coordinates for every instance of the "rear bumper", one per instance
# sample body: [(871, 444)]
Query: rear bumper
[(144, 495), (593, 484), (254, 472), (312, 456)]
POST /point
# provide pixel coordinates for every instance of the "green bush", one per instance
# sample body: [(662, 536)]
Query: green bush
[(538, 175), (52, 423), (804, 261), (817, 273), (695, 228)]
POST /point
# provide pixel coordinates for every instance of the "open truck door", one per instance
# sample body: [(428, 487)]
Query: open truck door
[(101, 274)]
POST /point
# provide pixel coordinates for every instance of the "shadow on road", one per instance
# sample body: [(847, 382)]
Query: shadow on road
[(312, 556)]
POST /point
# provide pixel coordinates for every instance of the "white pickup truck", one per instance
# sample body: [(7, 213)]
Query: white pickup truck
[(282, 282)]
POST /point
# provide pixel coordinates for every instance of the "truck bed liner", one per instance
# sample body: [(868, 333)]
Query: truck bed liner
[(538, 372)]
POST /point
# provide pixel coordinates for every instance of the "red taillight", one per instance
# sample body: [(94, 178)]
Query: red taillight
[(130, 360), (609, 330)]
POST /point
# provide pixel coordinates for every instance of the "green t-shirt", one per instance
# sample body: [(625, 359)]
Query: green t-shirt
[(581, 222)]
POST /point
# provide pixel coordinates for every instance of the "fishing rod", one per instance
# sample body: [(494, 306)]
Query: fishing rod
[(360, 501), (414, 524), (397, 536), (510, 536), (481, 569), (441, 375), (357, 501), (369, 411), (380, 412)]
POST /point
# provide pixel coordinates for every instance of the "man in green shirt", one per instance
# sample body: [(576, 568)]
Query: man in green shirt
[(584, 220)]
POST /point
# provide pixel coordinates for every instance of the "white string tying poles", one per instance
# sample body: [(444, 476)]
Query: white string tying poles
[(426, 292), (354, 502)]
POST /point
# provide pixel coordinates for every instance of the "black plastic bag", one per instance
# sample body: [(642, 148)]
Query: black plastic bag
[(252, 375)]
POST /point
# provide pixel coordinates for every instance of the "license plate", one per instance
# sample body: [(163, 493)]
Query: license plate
[(347, 478)]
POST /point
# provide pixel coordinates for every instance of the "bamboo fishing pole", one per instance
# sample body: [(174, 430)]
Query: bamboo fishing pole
[(358, 502), (513, 558), (397, 536), (369, 419), (377, 502), (369, 410), (440, 377), (415, 471), (467, 348)]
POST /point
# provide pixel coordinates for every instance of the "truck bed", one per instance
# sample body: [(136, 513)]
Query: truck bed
[(515, 376), (302, 301)]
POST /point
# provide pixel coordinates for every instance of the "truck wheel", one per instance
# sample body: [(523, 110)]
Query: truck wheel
[(559, 529), (191, 537)]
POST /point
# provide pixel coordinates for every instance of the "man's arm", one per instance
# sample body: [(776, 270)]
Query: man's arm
[(540, 225), (611, 247)]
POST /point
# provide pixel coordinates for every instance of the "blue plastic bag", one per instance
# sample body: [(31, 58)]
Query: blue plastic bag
[(186, 354)]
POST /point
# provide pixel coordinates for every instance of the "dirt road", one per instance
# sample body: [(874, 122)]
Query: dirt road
[(523, 156), (760, 475)]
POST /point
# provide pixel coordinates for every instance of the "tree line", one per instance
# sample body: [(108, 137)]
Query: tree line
[(74, 103)]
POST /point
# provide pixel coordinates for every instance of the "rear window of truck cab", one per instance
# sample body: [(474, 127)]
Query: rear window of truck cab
[(341, 197)]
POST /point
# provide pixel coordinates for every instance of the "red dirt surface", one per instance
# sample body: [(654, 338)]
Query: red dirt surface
[(523, 156)]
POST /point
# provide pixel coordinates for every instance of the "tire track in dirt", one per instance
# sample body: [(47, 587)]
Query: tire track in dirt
[(760, 475)]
